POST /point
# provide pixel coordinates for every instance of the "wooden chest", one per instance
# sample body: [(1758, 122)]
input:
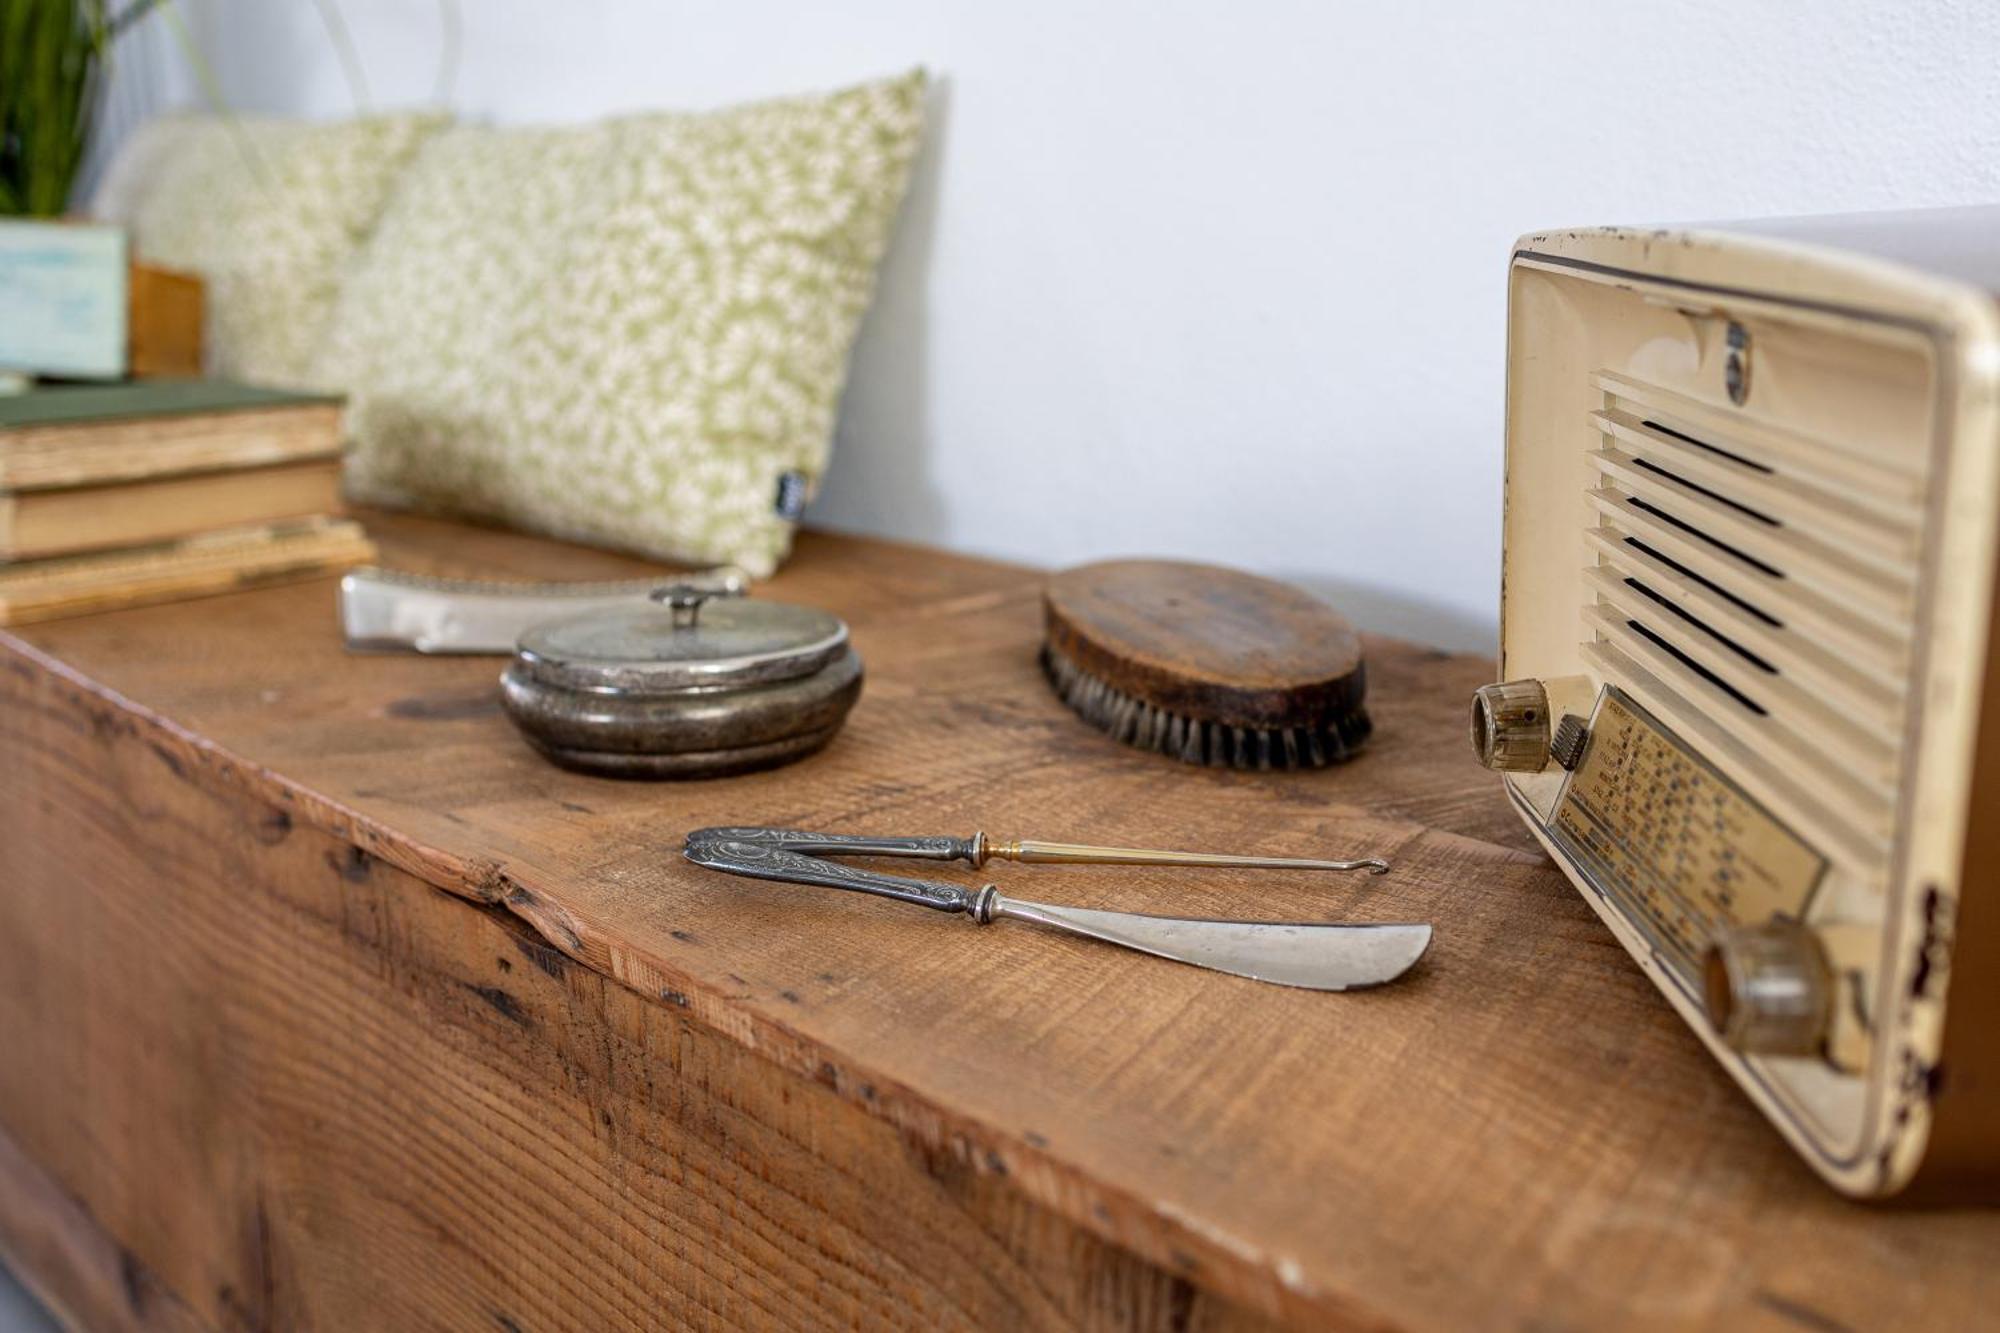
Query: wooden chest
[(328, 1005)]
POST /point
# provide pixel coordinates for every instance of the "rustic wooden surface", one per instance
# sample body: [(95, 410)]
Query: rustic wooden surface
[(1520, 1135), (75, 1267), (260, 1080)]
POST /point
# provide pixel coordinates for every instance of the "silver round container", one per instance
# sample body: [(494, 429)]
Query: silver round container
[(694, 687)]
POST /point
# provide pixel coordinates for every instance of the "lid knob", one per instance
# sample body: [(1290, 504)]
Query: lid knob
[(685, 599)]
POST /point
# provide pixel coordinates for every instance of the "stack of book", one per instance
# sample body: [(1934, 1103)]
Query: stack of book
[(114, 495)]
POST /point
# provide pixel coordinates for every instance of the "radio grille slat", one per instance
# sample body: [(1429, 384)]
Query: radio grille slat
[(1882, 642), (1783, 551), (1883, 524), (1877, 695), (1895, 471)]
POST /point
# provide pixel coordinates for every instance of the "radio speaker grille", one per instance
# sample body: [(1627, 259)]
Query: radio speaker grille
[(1752, 582)]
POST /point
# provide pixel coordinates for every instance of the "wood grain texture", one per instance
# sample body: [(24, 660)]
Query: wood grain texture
[(1519, 1135), (164, 318), (1213, 643), (78, 1271), (303, 1090)]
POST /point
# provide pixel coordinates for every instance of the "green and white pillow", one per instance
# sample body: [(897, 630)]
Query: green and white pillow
[(634, 332), (269, 212)]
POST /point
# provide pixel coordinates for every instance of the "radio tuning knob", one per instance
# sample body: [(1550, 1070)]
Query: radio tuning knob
[(1510, 726), (1567, 745), (1769, 989)]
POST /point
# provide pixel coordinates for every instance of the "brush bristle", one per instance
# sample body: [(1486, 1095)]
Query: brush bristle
[(1135, 722)]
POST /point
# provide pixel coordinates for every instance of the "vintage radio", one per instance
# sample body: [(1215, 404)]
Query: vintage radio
[(1751, 702)]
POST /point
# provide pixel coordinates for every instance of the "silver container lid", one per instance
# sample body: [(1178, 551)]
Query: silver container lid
[(692, 641)]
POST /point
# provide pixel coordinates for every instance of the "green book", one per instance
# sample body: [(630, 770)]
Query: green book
[(64, 436), (50, 404)]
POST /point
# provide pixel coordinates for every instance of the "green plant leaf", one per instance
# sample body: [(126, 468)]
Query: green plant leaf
[(52, 58)]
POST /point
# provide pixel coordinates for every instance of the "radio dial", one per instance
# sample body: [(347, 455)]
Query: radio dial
[(1769, 989), (1510, 726)]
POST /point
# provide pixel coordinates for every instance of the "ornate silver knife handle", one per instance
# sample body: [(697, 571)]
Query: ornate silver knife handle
[(383, 610), (842, 844), (765, 861), (978, 849)]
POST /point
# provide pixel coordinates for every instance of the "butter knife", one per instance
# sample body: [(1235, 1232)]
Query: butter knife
[(383, 610)]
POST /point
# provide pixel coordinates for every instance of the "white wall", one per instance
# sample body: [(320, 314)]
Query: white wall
[(1222, 281)]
